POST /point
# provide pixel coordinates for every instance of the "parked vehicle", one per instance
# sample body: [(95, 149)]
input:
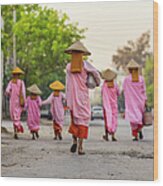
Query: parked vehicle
[(44, 113), (49, 115), (97, 113)]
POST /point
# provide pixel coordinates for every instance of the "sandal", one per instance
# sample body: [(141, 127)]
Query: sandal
[(60, 137), (37, 135), (16, 136), (114, 139), (141, 135), (105, 138), (73, 148), (81, 153), (33, 138), (135, 139)]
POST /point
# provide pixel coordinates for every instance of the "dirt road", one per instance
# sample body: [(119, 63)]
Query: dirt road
[(45, 157)]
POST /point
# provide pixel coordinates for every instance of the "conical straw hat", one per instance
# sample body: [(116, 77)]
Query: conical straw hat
[(109, 74), (57, 85), (34, 89), (133, 64), (77, 46), (17, 70)]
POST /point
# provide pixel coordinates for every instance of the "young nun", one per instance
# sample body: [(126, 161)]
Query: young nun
[(77, 94), (56, 99), (110, 92), (135, 99), (33, 104), (16, 92)]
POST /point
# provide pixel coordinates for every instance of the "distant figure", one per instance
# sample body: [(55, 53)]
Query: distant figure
[(135, 99), (110, 92), (56, 99), (33, 104), (16, 91), (77, 94)]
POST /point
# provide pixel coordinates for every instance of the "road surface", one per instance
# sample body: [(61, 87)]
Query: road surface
[(45, 157)]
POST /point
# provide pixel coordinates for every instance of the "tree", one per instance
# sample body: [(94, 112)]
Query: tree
[(7, 40), (149, 79), (137, 50), (42, 35)]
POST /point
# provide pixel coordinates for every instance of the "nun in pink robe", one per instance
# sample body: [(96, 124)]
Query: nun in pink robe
[(77, 96), (33, 110), (110, 107), (57, 111), (13, 91), (135, 99)]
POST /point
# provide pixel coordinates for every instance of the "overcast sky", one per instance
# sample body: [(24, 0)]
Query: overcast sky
[(110, 25)]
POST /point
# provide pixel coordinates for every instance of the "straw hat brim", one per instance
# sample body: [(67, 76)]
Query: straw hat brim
[(34, 89), (57, 86), (17, 70), (132, 65), (70, 51), (108, 75), (18, 73), (77, 47)]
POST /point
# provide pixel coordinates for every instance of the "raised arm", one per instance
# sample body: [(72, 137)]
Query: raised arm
[(39, 101), (91, 69), (48, 100)]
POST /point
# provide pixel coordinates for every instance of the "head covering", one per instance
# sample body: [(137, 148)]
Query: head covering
[(78, 47), (109, 74), (133, 64), (17, 70), (34, 89), (57, 85)]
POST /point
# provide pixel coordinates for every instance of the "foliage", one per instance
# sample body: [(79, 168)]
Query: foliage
[(149, 79), (137, 50), (42, 35)]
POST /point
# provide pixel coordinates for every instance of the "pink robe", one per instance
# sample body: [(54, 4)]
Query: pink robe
[(13, 90), (77, 94), (135, 97), (56, 109), (110, 106), (33, 109)]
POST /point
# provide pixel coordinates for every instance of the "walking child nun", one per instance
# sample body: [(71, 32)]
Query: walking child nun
[(33, 105), (56, 99), (110, 92)]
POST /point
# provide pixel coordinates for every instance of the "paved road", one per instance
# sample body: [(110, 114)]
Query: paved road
[(45, 157)]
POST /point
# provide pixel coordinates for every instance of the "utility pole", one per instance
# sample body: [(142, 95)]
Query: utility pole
[(14, 39), (2, 67)]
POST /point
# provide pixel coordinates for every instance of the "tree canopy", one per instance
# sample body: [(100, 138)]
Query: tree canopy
[(149, 79), (42, 35), (137, 50)]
